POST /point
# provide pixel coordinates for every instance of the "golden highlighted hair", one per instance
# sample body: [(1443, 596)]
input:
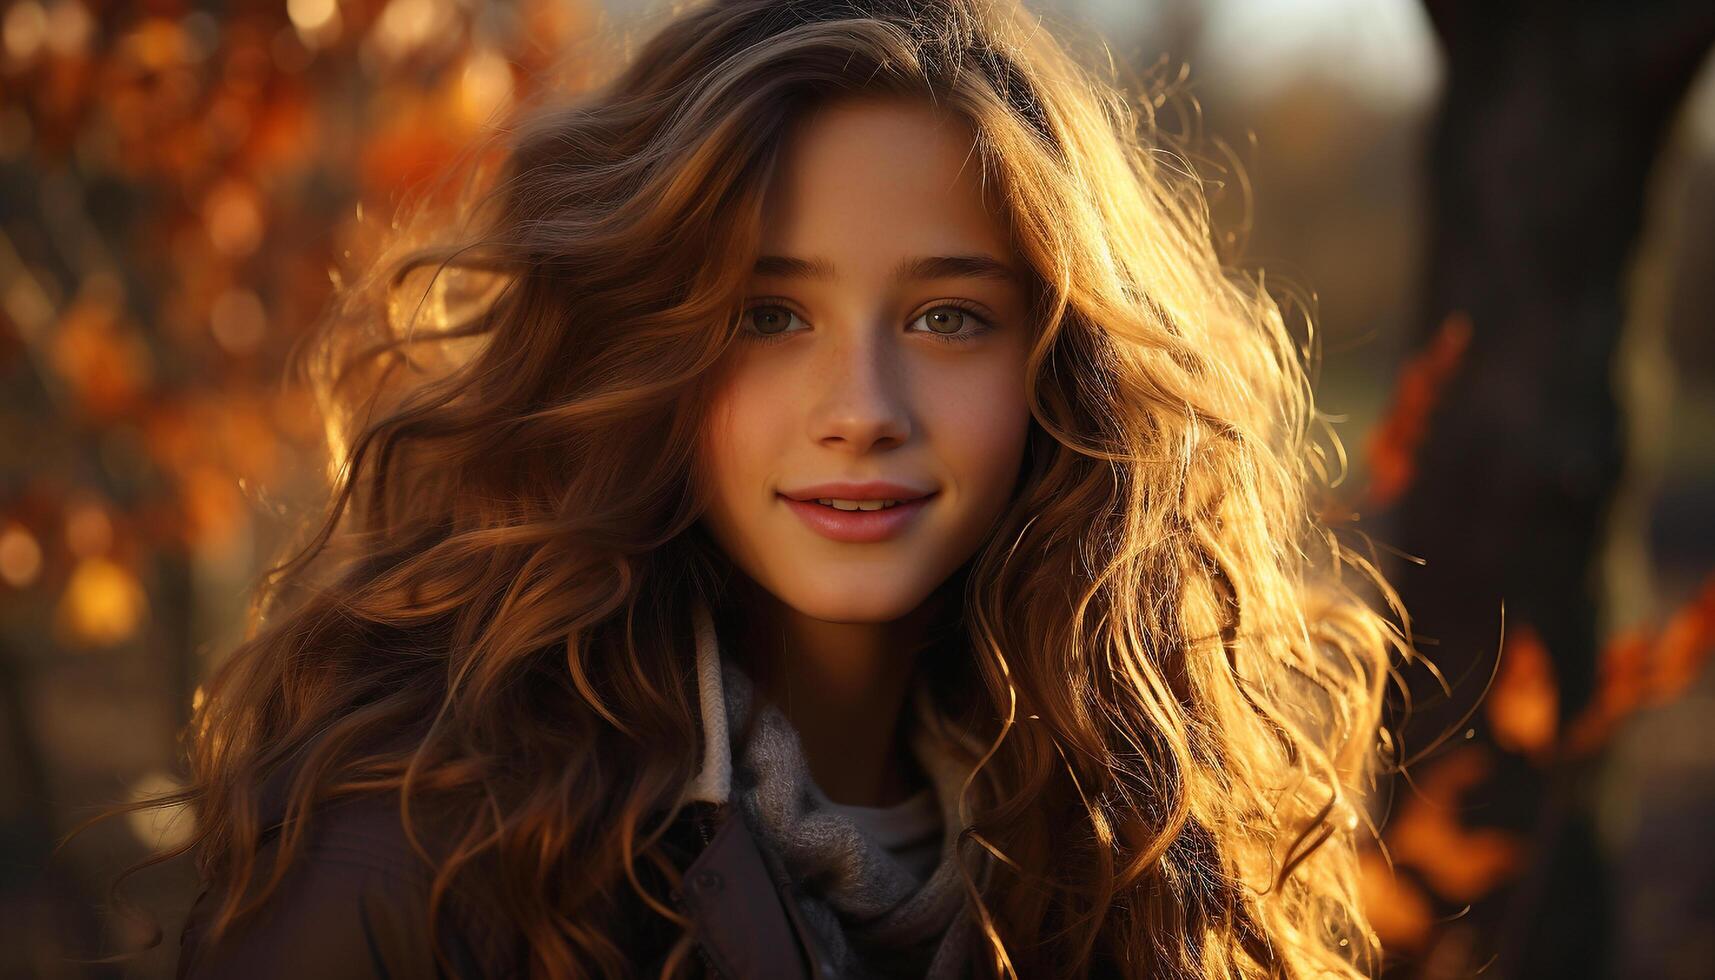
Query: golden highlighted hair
[(1178, 684)]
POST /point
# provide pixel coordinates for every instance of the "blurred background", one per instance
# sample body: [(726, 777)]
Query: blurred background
[(1499, 219)]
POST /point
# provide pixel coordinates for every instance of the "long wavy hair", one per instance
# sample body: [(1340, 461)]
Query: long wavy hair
[(1174, 672)]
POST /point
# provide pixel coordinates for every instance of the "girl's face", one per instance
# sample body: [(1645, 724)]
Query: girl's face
[(883, 342)]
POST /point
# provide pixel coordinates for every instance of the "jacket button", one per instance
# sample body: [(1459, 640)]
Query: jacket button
[(708, 881)]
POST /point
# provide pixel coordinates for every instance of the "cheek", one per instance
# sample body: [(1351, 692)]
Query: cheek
[(982, 423), (740, 437)]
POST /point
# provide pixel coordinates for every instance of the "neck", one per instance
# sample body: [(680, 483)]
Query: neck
[(843, 686)]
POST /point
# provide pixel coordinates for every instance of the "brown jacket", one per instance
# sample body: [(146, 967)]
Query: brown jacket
[(353, 906)]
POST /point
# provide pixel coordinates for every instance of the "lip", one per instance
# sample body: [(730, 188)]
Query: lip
[(858, 526), (872, 490)]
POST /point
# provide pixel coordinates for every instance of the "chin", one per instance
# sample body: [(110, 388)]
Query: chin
[(858, 605)]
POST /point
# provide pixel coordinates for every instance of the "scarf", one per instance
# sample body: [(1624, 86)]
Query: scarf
[(873, 917)]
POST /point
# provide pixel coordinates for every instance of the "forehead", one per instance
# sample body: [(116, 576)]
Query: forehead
[(881, 176)]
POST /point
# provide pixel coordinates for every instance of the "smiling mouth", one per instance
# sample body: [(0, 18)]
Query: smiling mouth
[(867, 522), (857, 505)]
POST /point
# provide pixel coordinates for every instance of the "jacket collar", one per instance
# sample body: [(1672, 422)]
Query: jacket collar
[(742, 920)]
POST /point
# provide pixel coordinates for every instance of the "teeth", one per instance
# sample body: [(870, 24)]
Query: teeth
[(855, 504)]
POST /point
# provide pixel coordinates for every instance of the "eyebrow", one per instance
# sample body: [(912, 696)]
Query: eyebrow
[(921, 267)]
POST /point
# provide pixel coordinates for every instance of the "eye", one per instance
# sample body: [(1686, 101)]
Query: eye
[(767, 322), (954, 322)]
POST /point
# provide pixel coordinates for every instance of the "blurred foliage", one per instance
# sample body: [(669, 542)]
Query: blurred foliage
[(179, 183)]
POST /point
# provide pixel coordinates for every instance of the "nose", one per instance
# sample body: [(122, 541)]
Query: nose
[(862, 393)]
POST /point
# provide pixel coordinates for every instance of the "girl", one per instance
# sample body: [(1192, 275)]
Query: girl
[(844, 521)]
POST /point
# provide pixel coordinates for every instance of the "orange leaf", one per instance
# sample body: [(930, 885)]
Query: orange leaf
[(1391, 447), (1523, 706), (1461, 863), (1398, 910), (1640, 667)]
